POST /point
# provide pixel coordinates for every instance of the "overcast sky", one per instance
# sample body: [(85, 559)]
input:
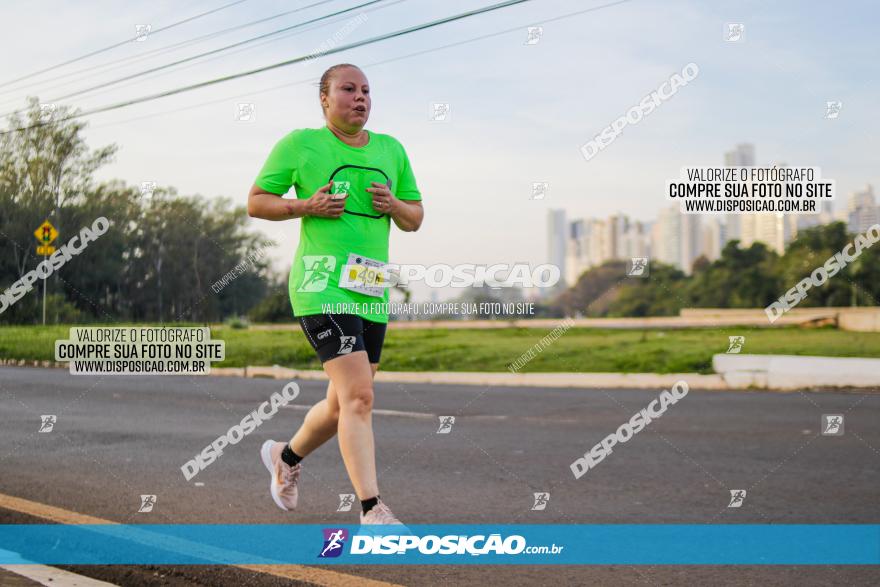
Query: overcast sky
[(518, 112)]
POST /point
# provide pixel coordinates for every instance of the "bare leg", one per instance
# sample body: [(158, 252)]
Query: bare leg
[(353, 382), (321, 422)]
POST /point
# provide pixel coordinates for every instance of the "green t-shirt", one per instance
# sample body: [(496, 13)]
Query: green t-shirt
[(306, 159)]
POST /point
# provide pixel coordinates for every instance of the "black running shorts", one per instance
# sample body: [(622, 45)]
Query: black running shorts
[(334, 335)]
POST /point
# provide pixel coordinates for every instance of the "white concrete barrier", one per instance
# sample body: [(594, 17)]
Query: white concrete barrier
[(860, 319), (863, 319), (584, 380), (796, 372), (733, 372)]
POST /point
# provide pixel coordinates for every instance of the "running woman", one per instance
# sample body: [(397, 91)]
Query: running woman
[(350, 184)]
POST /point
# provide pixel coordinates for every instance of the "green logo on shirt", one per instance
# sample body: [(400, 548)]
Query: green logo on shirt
[(341, 187)]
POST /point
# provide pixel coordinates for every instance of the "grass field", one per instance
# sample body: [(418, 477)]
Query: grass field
[(577, 350)]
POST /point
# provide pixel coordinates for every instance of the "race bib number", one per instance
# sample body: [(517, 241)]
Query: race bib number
[(364, 275)]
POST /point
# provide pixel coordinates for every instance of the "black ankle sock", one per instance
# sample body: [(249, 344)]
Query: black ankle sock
[(367, 504), (290, 457)]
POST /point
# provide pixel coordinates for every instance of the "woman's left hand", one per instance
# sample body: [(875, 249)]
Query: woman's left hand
[(383, 200)]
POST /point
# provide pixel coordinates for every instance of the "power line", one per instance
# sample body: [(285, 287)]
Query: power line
[(160, 50), (332, 51), (212, 52), (114, 46), (389, 4), (373, 64)]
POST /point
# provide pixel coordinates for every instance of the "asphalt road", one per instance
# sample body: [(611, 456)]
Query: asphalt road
[(117, 437)]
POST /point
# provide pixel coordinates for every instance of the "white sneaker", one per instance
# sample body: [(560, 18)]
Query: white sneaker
[(284, 478), (379, 514)]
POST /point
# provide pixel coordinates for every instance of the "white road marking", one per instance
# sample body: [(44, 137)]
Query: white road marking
[(301, 573), (52, 577), (402, 414)]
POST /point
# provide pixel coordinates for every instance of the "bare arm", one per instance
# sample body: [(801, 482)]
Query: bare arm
[(407, 214), (269, 206)]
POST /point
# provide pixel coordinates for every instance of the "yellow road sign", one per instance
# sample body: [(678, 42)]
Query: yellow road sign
[(46, 233), (45, 249)]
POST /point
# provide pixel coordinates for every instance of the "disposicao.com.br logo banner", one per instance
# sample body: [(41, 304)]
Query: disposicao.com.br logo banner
[(521, 544), (395, 540)]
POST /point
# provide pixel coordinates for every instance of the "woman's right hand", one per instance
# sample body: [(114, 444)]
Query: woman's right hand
[(323, 203)]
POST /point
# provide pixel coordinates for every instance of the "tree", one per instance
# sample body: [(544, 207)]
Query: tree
[(193, 260), (661, 293), (594, 290), (274, 307), (164, 258), (45, 171), (740, 278), (811, 249)]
